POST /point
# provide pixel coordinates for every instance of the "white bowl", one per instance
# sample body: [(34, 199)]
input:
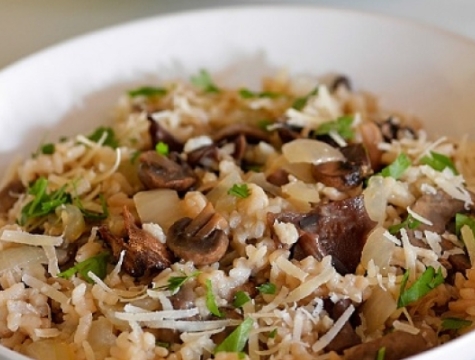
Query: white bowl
[(73, 86)]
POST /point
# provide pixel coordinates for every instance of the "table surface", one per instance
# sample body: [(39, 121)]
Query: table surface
[(27, 26)]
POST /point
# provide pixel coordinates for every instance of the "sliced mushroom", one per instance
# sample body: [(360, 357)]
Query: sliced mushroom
[(143, 251), (392, 129), (347, 336), (372, 137), (206, 156), (398, 345), (438, 208), (9, 195), (159, 134), (184, 298), (279, 177), (339, 229), (344, 175), (201, 240), (157, 171), (341, 80), (251, 133)]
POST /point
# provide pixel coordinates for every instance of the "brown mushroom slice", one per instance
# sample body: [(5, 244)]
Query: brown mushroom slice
[(398, 345), (206, 156), (438, 208), (143, 251), (344, 175), (347, 336), (341, 81), (201, 240), (7, 195), (278, 177), (157, 171), (339, 229), (159, 134), (251, 133), (372, 137)]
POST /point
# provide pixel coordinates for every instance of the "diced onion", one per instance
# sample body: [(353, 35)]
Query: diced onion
[(379, 249), (377, 309), (21, 256), (310, 151), (376, 199), (22, 237), (160, 206), (469, 241)]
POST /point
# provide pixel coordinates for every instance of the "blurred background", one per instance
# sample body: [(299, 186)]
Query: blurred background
[(27, 26)]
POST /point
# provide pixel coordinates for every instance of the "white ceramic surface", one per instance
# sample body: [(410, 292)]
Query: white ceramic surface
[(73, 87)]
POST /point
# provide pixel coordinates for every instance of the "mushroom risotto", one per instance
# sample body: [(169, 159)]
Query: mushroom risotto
[(296, 221)]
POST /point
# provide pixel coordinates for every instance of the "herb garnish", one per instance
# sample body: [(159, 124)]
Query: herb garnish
[(110, 139), (176, 282), (248, 94), (211, 300), (96, 264), (427, 281), (438, 162), (263, 124), (410, 223), (461, 220), (48, 149), (241, 191), (267, 288), (397, 167), (455, 323), (204, 81), (92, 215), (342, 126), (147, 91), (272, 334), (381, 353), (162, 148), (236, 341), (43, 203), (240, 299), (300, 102)]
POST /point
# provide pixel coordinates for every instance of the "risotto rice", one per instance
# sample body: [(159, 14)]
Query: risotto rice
[(296, 221)]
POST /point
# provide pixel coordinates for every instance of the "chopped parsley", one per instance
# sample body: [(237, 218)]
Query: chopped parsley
[(455, 323), (204, 81), (163, 344), (96, 264), (410, 223), (240, 299), (461, 220), (48, 149), (381, 353), (267, 288), (248, 94), (300, 102), (211, 300), (241, 191), (147, 91), (397, 167), (110, 138), (92, 215), (429, 280), (438, 162), (273, 334), (135, 155), (236, 341), (44, 202), (162, 148), (342, 126), (263, 124), (176, 282)]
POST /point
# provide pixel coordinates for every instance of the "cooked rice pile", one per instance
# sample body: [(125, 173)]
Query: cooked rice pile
[(284, 291)]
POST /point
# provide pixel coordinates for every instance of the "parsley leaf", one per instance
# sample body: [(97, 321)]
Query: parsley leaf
[(211, 300), (455, 323), (273, 334), (176, 282), (110, 139), (147, 91), (240, 191), (92, 215), (163, 344), (240, 299), (96, 264), (426, 282), (162, 148), (267, 288), (381, 353), (461, 220), (204, 81), (410, 223), (248, 94), (438, 162), (397, 167), (48, 149), (43, 203), (342, 126), (263, 124), (300, 102), (236, 341)]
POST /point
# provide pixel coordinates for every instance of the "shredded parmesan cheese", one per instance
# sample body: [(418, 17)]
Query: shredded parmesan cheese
[(22, 237), (419, 217), (330, 334), (46, 289)]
